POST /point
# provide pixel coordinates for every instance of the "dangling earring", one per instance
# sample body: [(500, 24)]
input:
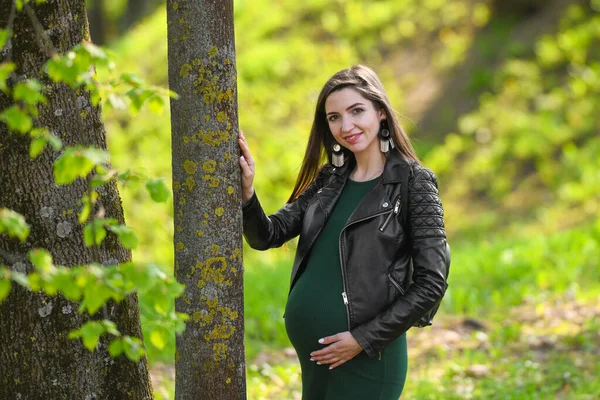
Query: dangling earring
[(385, 139), (337, 155)]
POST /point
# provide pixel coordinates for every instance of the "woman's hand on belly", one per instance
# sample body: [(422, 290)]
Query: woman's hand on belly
[(342, 347)]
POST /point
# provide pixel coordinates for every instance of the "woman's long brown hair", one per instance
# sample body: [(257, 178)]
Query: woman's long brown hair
[(367, 83)]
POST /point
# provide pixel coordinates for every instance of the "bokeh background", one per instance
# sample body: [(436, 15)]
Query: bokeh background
[(501, 100)]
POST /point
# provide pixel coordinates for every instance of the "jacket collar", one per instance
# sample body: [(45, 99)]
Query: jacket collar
[(392, 171)]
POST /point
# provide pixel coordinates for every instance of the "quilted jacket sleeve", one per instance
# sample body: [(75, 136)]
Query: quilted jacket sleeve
[(431, 261), (263, 232)]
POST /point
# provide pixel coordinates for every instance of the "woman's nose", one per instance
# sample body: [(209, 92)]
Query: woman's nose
[(347, 125)]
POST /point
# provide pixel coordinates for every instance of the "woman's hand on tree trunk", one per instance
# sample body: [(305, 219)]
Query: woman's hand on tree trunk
[(248, 168)]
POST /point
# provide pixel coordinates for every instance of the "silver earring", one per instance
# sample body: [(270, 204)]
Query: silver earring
[(337, 156), (385, 139)]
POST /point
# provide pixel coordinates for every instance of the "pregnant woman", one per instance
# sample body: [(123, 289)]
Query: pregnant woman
[(361, 276)]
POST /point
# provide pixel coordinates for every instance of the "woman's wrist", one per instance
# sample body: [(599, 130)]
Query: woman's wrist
[(247, 194)]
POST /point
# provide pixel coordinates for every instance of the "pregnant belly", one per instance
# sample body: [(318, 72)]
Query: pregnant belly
[(314, 309)]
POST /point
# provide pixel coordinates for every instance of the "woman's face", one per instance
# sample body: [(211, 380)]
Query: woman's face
[(353, 120)]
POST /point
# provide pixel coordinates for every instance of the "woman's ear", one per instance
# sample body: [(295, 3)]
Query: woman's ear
[(382, 113)]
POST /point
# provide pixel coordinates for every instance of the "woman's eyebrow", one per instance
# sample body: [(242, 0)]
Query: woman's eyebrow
[(348, 108)]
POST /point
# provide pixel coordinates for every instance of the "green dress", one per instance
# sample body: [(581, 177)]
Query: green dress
[(315, 309)]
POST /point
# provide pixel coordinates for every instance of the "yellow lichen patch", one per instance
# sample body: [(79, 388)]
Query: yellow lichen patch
[(236, 255), (186, 139), (229, 189), (214, 260), (185, 70), (209, 165), (175, 6), (234, 271), (225, 96), (190, 183), (221, 116), (197, 62), (211, 303), (227, 156), (180, 246), (213, 52), (205, 215), (200, 233), (228, 381), (219, 212), (206, 117), (214, 138), (190, 167), (214, 182), (176, 186), (220, 351), (182, 201), (220, 332)]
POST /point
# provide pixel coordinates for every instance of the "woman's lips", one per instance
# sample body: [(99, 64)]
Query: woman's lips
[(352, 138)]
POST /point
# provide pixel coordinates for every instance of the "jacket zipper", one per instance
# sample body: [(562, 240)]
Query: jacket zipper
[(344, 293), (395, 284), (393, 212)]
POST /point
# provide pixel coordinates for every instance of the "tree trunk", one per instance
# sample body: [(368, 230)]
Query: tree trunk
[(135, 11), (518, 8), (38, 361), (206, 185), (98, 22)]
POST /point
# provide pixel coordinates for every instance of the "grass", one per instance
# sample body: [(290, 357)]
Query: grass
[(521, 321)]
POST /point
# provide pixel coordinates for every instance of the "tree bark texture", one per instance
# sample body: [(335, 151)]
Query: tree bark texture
[(37, 360), (207, 197)]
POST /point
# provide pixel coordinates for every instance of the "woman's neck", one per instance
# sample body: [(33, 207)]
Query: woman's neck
[(368, 166)]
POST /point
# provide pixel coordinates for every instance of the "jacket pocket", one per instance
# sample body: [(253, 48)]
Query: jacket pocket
[(394, 211), (396, 284)]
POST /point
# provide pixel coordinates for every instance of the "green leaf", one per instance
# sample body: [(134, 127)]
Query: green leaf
[(41, 260), (94, 233), (37, 146), (4, 35), (5, 70), (116, 101), (54, 141), (77, 162), (115, 348), (29, 92), (21, 279), (95, 295), (16, 119), (102, 176), (5, 285), (87, 206), (126, 236), (111, 327), (158, 190), (156, 104), (89, 333), (157, 338), (130, 176), (64, 281), (13, 224), (133, 348)]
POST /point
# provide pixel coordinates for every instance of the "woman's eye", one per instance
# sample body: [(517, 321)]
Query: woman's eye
[(332, 118), (357, 110)]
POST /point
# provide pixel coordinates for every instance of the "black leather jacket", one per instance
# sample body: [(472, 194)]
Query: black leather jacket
[(384, 292)]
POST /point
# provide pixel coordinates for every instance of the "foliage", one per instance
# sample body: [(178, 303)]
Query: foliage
[(531, 148), (91, 285)]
